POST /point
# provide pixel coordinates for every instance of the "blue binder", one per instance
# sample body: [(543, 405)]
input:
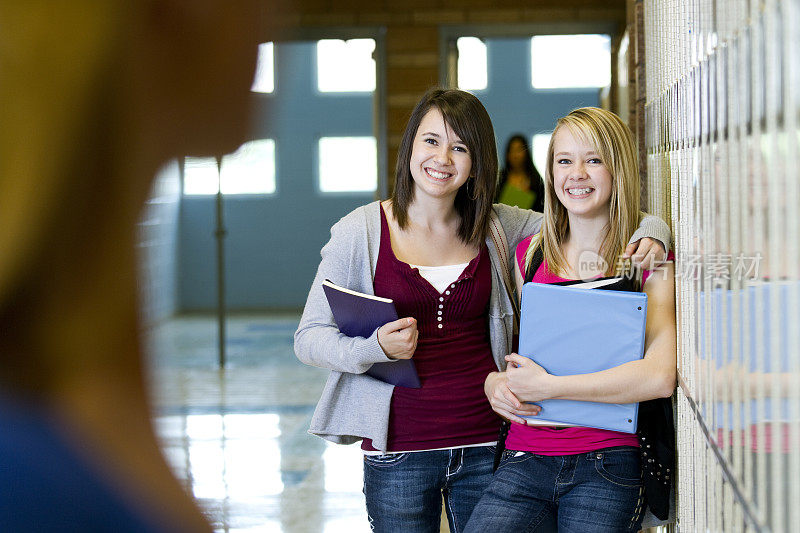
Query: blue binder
[(569, 330)]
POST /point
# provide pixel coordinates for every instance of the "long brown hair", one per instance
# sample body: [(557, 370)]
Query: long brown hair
[(464, 113), (614, 142)]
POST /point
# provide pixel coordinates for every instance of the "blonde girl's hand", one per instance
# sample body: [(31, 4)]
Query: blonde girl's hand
[(503, 401), (527, 380), (398, 339)]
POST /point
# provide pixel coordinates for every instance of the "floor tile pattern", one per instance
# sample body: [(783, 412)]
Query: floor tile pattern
[(238, 437)]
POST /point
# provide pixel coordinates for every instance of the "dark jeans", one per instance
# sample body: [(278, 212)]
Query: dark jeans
[(404, 490), (597, 491)]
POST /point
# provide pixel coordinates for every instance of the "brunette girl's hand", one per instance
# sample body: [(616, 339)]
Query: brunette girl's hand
[(646, 253), (527, 380), (398, 339), (504, 402)]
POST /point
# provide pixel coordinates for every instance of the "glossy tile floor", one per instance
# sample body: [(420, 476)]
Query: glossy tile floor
[(238, 438)]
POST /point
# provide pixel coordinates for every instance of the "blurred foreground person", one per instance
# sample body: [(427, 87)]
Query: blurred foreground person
[(95, 97)]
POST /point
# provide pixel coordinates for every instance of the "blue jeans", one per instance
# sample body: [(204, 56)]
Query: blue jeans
[(596, 491), (404, 490)]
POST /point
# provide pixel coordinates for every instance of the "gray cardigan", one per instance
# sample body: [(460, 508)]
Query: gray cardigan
[(353, 405)]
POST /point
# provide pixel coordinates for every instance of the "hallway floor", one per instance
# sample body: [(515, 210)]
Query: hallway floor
[(238, 438)]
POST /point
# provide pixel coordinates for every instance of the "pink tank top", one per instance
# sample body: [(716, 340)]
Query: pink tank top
[(546, 440)]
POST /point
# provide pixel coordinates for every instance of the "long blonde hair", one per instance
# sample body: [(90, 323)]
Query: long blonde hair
[(613, 140)]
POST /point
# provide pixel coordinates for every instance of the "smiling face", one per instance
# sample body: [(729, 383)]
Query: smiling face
[(582, 182), (440, 162)]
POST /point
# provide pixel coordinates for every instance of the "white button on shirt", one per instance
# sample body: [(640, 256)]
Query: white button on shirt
[(442, 278)]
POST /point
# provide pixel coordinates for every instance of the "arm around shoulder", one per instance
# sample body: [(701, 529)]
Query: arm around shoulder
[(655, 228), (518, 223)]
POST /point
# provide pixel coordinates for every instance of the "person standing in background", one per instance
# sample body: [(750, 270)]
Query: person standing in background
[(520, 183)]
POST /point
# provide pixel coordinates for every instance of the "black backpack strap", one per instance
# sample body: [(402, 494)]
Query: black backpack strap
[(536, 262), (501, 444)]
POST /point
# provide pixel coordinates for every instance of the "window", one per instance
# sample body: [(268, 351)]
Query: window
[(472, 68), (345, 66), (200, 175), (581, 61), (539, 145), (348, 164), (249, 170), (264, 81)]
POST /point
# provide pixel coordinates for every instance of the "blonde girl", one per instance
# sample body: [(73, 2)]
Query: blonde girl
[(578, 478)]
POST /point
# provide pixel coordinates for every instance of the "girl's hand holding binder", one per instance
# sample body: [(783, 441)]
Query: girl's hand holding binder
[(398, 339), (527, 380), (504, 402)]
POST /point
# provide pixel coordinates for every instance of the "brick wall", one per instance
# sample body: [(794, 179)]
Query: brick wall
[(412, 35), (637, 95)]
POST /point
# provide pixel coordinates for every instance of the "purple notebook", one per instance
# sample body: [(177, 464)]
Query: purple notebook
[(359, 315)]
